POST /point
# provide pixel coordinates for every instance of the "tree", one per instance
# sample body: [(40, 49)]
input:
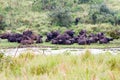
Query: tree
[(61, 16), (101, 14)]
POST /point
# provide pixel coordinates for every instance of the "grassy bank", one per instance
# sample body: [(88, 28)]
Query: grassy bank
[(115, 43), (86, 66)]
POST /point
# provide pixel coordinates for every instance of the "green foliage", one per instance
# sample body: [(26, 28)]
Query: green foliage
[(114, 34), (2, 22), (33, 14), (117, 18), (1, 55), (86, 55), (104, 9), (83, 1), (39, 5), (101, 14), (15, 66), (50, 4), (89, 1), (27, 55), (61, 16), (39, 69), (112, 63), (45, 65), (5, 62)]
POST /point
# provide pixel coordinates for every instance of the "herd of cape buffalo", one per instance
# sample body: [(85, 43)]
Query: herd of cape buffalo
[(55, 37)]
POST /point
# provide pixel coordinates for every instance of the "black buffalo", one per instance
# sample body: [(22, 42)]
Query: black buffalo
[(52, 35), (105, 40), (70, 33), (83, 41), (39, 39), (77, 20), (4, 35)]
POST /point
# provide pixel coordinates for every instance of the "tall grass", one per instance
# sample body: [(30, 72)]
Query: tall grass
[(85, 66)]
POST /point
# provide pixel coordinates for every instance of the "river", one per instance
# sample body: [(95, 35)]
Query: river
[(51, 51)]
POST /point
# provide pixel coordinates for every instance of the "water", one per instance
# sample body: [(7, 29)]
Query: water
[(50, 51)]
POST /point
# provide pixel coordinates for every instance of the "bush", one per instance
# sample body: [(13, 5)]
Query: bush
[(117, 19), (2, 23), (39, 5), (1, 55), (61, 17), (83, 1), (43, 5), (115, 34), (104, 9), (44, 65), (89, 1), (101, 14), (86, 55), (40, 69), (27, 55)]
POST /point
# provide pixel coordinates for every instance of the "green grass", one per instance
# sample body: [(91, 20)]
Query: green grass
[(115, 43), (6, 44), (86, 66)]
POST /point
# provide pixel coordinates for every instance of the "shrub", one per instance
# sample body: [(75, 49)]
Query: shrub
[(15, 66), (113, 63), (27, 55), (39, 5), (2, 23), (44, 65), (117, 19), (61, 16), (40, 69), (101, 14), (115, 34), (83, 1), (86, 55), (1, 55), (89, 1), (104, 9)]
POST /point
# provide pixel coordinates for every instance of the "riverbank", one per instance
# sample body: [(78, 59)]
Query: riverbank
[(52, 51)]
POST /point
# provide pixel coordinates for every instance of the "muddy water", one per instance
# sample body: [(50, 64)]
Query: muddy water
[(50, 51)]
